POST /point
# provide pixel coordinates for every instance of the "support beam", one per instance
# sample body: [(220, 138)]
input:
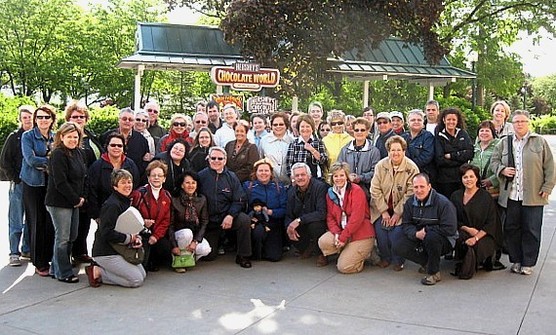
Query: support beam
[(431, 91), (219, 89), (295, 103), (365, 93), (137, 93)]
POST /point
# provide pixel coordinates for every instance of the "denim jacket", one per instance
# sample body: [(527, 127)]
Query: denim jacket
[(35, 149)]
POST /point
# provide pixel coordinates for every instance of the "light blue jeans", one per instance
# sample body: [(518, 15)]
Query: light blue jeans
[(16, 226), (66, 223)]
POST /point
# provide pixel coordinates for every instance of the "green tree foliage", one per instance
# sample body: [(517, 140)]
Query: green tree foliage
[(544, 88)]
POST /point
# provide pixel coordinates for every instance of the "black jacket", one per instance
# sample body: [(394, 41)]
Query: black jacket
[(114, 206), (461, 150), (179, 203), (312, 208), (11, 157), (66, 178)]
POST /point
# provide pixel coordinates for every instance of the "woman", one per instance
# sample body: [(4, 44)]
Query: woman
[(349, 124), (324, 129), (141, 126), (267, 243), (274, 147), (65, 194), (178, 129), (91, 149), (109, 267), (361, 155), (154, 204), (350, 232), (198, 155), (500, 111), (453, 147), (293, 130), (478, 222), (484, 147), (307, 148), (420, 143), (35, 147), (175, 159), (316, 112), (259, 122), (241, 153), (338, 138), (99, 173), (391, 186), (189, 219)]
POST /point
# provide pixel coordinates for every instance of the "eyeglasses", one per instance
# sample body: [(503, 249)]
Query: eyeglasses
[(359, 130), (44, 117), (78, 117), (381, 122), (156, 176), (200, 121), (116, 145), (152, 111), (278, 124), (217, 158), (179, 124), (339, 123), (126, 119), (141, 120)]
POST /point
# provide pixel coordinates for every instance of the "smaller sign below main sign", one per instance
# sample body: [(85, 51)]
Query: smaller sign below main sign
[(240, 79), (262, 105)]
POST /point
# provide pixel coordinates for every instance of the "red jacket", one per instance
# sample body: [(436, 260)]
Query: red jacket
[(150, 208), (357, 210)]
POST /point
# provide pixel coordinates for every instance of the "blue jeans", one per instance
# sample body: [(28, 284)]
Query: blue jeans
[(522, 231), (66, 223), (16, 226), (386, 239)]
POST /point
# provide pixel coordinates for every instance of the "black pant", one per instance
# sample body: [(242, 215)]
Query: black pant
[(309, 234), (268, 244), (80, 244), (241, 225), (427, 252), (41, 230)]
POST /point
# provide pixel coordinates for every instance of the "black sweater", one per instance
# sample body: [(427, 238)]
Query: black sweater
[(66, 178)]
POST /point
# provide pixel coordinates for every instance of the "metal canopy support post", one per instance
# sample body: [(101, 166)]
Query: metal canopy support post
[(431, 91), (137, 93), (365, 93), (295, 103), (218, 89)]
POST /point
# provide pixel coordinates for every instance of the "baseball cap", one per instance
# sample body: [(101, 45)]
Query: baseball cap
[(383, 115), (396, 114)]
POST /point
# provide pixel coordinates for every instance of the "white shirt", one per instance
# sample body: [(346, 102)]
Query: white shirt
[(224, 135), (276, 149)]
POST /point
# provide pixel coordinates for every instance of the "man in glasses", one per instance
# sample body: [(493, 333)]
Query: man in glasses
[(225, 200), (385, 131), (200, 120), (10, 167), (153, 109)]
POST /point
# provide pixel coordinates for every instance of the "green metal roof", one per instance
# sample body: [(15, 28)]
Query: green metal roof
[(199, 48)]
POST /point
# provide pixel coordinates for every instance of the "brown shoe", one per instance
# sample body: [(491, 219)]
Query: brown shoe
[(383, 264), (322, 260), (398, 267), (93, 282), (307, 253)]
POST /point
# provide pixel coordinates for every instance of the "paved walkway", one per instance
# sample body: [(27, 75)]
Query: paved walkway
[(289, 297)]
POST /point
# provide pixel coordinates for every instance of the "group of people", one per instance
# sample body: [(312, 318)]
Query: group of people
[(363, 188)]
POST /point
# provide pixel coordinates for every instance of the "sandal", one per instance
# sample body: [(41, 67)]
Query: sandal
[(70, 280)]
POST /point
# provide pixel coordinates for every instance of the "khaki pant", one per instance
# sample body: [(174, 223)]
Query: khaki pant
[(352, 255)]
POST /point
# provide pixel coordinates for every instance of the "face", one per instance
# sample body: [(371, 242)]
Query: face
[(301, 177), (369, 115), (71, 140), (141, 122), (217, 160), (178, 152), (360, 132), (397, 123), (79, 118), (451, 122), (521, 125), (201, 120), (498, 113), (204, 139), (349, 127), (416, 123), (339, 178), (258, 124), (324, 130), (189, 185), (124, 187), (421, 188), (115, 147), (384, 125), (485, 135), (432, 113), (153, 111), (126, 121), (263, 173), (469, 179), (396, 153), (213, 113), (337, 126), (26, 120), (43, 119), (278, 126), (230, 115), (201, 108), (156, 177), (305, 129), (241, 134), (179, 125), (316, 113)]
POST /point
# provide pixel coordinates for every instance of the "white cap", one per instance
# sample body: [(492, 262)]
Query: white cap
[(396, 114), (383, 115)]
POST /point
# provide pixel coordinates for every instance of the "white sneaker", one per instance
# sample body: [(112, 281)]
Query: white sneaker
[(14, 260), (526, 270), (516, 268)]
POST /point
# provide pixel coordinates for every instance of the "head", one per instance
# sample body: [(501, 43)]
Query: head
[(156, 173), (279, 123), (305, 126), (384, 122), (349, 124), (201, 107), (230, 114), (241, 130), (126, 119), (153, 109), (77, 112), (200, 120), (262, 171), (416, 120), (397, 120), (122, 182), (204, 138), (421, 186), (177, 150), (432, 109), (336, 120), (520, 121), (25, 116), (396, 147), (361, 127), (189, 121), (470, 176), (44, 118), (301, 174), (293, 123), (316, 111), (339, 174), (188, 182), (178, 123), (141, 120), (500, 111), (213, 111), (217, 158), (450, 119), (486, 131), (115, 145), (369, 114), (259, 123), (69, 136), (324, 129)]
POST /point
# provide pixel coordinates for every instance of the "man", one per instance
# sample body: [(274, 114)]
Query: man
[(153, 109), (225, 200), (432, 110), (226, 131), (10, 164), (201, 106), (430, 226), (213, 111), (385, 131), (306, 212), (137, 145), (369, 115), (200, 120)]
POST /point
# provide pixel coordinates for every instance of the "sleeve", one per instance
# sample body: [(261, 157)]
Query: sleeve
[(375, 158), (290, 157), (319, 197), (290, 206), (163, 219), (331, 221), (408, 226), (440, 151), (203, 221), (28, 152), (238, 201), (280, 211), (59, 171), (356, 219), (448, 221), (496, 164), (426, 151), (548, 168), (323, 153), (377, 193), (108, 217), (465, 150), (398, 208), (7, 158)]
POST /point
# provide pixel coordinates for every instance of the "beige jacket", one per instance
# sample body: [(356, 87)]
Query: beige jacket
[(385, 181)]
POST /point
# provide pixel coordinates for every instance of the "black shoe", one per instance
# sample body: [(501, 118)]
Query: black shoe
[(243, 262), (497, 265)]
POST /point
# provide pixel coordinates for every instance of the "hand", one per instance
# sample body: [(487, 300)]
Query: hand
[(394, 219), (192, 246), (486, 183), (509, 172), (386, 219), (227, 222), (176, 251), (420, 234), (81, 203), (471, 241), (448, 156), (152, 240), (136, 241), (292, 232), (268, 211), (148, 157), (148, 223), (544, 195), (308, 147)]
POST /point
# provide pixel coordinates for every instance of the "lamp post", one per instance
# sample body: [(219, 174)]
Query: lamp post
[(473, 58)]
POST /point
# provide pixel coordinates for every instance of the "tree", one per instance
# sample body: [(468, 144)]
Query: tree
[(544, 89)]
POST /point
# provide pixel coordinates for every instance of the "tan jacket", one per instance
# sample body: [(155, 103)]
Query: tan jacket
[(538, 170), (385, 181)]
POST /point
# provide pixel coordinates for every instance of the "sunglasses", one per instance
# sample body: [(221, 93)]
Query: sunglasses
[(278, 124), (381, 122), (141, 120), (325, 129), (152, 111), (359, 130), (217, 158), (44, 117), (125, 119), (116, 145), (179, 124), (339, 123), (75, 117), (200, 121)]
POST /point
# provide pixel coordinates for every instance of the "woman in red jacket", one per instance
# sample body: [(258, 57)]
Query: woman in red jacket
[(154, 203), (350, 232)]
